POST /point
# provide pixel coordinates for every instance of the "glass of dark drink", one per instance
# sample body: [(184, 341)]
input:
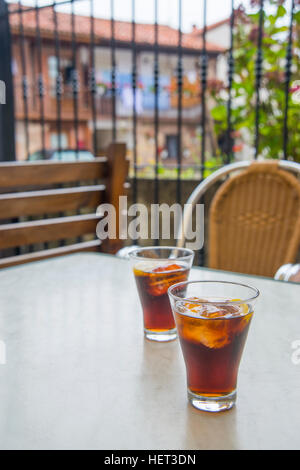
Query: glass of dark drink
[(212, 320), (155, 270)]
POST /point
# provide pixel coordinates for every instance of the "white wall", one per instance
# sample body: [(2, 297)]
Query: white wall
[(220, 35)]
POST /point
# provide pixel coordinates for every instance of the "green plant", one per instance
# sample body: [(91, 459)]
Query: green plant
[(187, 173)]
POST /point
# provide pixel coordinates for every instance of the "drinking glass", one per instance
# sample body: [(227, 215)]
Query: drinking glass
[(155, 270), (212, 320)]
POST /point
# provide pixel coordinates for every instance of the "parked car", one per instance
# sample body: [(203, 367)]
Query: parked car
[(64, 155)]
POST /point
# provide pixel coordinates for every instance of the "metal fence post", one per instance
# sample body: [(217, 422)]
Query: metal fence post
[(7, 120)]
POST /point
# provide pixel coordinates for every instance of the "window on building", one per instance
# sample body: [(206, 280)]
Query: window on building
[(172, 145), (56, 141), (66, 70)]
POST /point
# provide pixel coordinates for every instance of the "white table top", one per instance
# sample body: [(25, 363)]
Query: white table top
[(79, 374)]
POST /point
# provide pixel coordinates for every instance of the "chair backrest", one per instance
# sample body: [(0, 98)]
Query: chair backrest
[(254, 218), (62, 197), (254, 222)]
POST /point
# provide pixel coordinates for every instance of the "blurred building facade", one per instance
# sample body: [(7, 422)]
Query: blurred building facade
[(36, 58)]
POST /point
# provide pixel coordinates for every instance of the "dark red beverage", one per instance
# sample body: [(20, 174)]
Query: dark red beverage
[(152, 285), (212, 340)]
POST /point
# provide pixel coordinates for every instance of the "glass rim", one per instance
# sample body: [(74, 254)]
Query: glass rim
[(215, 302), (135, 253)]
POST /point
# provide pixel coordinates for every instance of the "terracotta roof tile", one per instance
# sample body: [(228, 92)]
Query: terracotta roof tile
[(210, 27), (145, 33)]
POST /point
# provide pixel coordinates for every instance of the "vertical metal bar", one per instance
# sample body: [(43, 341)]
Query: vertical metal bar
[(59, 82), (259, 61), (229, 146), (75, 77), (156, 103), (75, 86), (40, 86), (204, 65), (40, 80), (58, 85), (179, 103), (24, 78), (203, 88), (113, 72), (134, 109), (156, 106), (7, 118), (92, 84), (23, 54), (288, 74)]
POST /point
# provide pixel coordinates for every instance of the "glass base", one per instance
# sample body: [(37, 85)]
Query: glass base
[(212, 404), (161, 336)]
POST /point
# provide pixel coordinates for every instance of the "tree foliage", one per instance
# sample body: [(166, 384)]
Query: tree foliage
[(273, 83)]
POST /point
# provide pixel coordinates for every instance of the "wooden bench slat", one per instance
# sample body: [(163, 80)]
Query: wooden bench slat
[(14, 174), (50, 201), (93, 245), (27, 189), (47, 230)]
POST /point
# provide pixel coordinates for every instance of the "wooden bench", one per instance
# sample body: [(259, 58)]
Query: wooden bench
[(62, 197)]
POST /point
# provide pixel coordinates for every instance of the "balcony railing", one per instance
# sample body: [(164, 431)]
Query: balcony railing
[(218, 110)]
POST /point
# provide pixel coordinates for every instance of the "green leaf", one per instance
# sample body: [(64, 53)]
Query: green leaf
[(281, 11), (219, 112)]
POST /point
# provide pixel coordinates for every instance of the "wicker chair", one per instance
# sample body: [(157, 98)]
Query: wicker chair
[(254, 218)]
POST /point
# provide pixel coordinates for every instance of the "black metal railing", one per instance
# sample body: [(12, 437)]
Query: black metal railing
[(56, 46)]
